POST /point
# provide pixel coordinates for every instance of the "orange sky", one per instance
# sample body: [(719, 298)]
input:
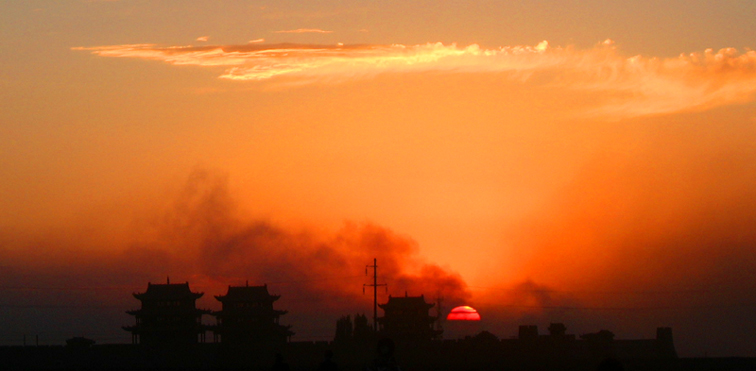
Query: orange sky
[(546, 162)]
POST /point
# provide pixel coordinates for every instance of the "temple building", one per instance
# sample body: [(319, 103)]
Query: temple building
[(248, 317), (168, 316), (407, 319)]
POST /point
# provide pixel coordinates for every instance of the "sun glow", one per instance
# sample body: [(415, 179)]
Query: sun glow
[(463, 313)]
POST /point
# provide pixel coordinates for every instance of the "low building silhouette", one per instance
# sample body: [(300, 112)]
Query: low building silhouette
[(79, 342), (598, 345), (363, 332), (344, 330), (248, 316), (407, 319), (168, 316), (357, 332)]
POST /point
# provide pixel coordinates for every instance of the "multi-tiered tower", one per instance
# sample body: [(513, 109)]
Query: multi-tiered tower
[(248, 317), (168, 316), (407, 319)]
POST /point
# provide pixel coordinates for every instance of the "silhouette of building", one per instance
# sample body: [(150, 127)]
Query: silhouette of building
[(407, 319), (344, 330), (357, 332), (168, 316), (363, 332), (248, 316), (528, 333), (596, 345), (79, 342)]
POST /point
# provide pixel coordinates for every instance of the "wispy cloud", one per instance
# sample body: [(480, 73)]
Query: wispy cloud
[(203, 38), (304, 30), (308, 15), (256, 41), (628, 86)]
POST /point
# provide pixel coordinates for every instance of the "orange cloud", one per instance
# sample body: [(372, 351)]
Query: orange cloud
[(624, 86), (203, 38), (304, 30)]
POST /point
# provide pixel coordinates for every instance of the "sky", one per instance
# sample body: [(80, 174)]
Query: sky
[(585, 162)]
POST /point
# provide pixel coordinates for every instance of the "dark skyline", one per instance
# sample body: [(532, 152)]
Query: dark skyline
[(589, 163)]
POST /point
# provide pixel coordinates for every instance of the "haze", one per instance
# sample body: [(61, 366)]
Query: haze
[(581, 162)]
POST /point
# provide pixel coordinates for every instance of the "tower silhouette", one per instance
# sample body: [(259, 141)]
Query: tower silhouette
[(374, 285)]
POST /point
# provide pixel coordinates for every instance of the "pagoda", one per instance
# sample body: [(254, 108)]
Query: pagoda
[(407, 319), (168, 316), (247, 316)]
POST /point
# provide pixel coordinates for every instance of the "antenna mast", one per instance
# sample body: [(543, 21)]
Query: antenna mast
[(439, 314), (375, 291)]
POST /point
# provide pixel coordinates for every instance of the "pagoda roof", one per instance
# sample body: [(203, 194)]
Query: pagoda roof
[(143, 312), (396, 302), (270, 312), (168, 291), (248, 293)]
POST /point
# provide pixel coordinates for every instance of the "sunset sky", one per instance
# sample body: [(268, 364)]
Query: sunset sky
[(586, 162)]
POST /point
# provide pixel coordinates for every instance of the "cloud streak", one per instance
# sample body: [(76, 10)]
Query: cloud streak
[(304, 30), (623, 86)]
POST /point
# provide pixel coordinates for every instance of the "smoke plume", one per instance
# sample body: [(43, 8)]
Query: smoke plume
[(201, 237)]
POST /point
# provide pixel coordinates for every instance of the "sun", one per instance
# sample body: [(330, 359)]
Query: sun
[(463, 313)]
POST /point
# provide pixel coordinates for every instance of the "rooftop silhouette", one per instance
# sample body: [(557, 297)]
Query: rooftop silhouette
[(248, 317), (169, 333), (168, 316)]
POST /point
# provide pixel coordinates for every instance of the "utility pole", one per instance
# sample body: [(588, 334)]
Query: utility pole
[(439, 314), (375, 291)]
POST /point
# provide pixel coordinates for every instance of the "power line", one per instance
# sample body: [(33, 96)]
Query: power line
[(68, 288), (312, 280), (620, 292), (135, 287), (57, 306), (669, 307)]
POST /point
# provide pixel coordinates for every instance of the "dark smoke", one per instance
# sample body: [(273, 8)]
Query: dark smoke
[(201, 237)]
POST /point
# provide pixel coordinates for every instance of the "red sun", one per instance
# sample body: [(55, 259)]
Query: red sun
[(463, 313)]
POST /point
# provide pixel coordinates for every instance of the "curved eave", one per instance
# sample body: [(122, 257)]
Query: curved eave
[(226, 314), (226, 298), (142, 312), (399, 306), (141, 296)]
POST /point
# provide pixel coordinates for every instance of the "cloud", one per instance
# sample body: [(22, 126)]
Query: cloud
[(309, 15), (256, 41), (203, 38), (304, 30), (622, 86)]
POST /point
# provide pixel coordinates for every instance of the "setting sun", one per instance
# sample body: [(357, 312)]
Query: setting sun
[(582, 162), (463, 313)]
